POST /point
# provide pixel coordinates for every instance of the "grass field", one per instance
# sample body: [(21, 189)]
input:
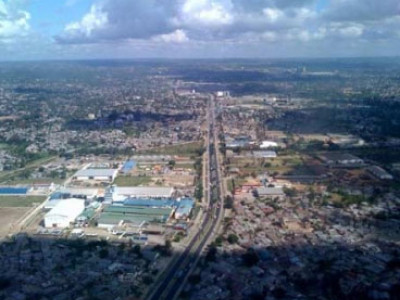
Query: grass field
[(132, 180), (184, 166), (14, 181), (191, 149), (20, 201)]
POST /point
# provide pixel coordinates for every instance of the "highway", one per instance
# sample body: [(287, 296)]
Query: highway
[(173, 280)]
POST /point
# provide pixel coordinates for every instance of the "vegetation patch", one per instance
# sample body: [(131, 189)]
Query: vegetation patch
[(20, 201)]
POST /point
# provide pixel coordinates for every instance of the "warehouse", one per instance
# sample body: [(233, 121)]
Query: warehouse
[(380, 173), (264, 154), (119, 194), (184, 208), (270, 192), (268, 144), (134, 216), (149, 202), (96, 174), (64, 213), (341, 160)]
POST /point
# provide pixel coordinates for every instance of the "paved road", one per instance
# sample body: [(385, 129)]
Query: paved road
[(173, 280)]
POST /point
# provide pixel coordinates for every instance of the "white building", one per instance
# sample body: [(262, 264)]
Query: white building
[(264, 154), (116, 193), (271, 192), (268, 144), (64, 213), (341, 159), (96, 174)]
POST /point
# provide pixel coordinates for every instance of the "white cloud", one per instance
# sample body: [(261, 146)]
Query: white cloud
[(206, 12), (178, 36), (94, 19), (351, 31), (272, 14), (14, 20), (288, 24)]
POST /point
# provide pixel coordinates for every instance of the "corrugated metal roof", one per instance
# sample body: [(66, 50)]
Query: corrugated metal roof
[(70, 208), (270, 191), (96, 172), (138, 210), (149, 202), (144, 191)]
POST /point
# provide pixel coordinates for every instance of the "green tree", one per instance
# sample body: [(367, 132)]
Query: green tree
[(290, 192), (171, 164), (232, 238)]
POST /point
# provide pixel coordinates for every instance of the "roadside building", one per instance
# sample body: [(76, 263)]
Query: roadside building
[(264, 154), (119, 194), (268, 144), (380, 173), (64, 213), (346, 141), (270, 192), (184, 208), (134, 216), (341, 160), (149, 202), (96, 174)]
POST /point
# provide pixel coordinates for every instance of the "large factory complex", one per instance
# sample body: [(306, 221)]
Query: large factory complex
[(115, 208)]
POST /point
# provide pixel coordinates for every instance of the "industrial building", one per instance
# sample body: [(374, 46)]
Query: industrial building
[(264, 154), (184, 208), (270, 192), (64, 213), (81, 193), (137, 212), (268, 144), (96, 174), (134, 216), (380, 173), (67, 193), (119, 194), (341, 160)]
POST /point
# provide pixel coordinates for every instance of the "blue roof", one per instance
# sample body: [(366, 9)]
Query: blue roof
[(59, 195), (128, 165), (184, 206), (13, 190), (183, 203)]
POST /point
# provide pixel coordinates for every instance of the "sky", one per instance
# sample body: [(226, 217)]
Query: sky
[(96, 29)]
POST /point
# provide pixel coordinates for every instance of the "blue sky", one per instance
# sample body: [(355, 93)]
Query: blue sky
[(50, 16), (69, 29)]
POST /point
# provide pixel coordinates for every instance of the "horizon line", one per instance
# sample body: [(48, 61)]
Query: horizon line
[(197, 58)]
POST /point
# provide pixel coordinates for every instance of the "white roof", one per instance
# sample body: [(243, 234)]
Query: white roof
[(69, 208), (96, 173), (145, 191), (268, 144), (270, 191), (265, 153)]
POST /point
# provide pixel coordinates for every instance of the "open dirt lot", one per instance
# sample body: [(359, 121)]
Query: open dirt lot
[(9, 218)]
